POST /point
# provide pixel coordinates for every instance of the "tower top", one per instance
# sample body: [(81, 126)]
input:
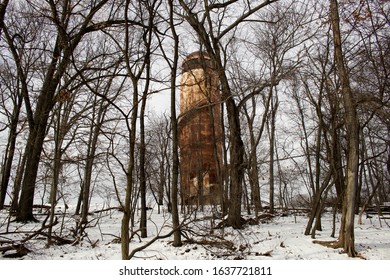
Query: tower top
[(197, 60)]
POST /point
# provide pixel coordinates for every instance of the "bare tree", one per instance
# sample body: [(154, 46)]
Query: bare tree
[(61, 128), (134, 76), (277, 33), (13, 119), (159, 149), (175, 139), (138, 66), (212, 33), (24, 58), (66, 40), (271, 134), (347, 237), (150, 12), (370, 77)]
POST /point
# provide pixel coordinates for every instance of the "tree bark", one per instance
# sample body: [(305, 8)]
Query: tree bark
[(142, 157), (253, 170), (347, 237), (142, 175), (90, 157), (10, 151), (271, 131), (34, 144), (127, 211), (236, 161), (18, 183), (3, 8), (175, 138)]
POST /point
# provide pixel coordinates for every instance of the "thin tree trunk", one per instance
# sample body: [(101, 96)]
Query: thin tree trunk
[(316, 206), (9, 152), (175, 139), (18, 183), (274, 107), (56, 172), (254, 143), (347, 237), (147, 41), (80, 197), (143, 222), (253, 170), (91, 152), (225, 169), (318, 165), (127, 211), (333, 142), (305, 139), (217, 150)]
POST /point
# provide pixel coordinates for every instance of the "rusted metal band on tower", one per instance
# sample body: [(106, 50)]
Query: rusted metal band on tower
[(197, 60)]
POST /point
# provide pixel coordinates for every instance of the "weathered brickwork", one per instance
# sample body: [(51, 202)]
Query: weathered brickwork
[(200, 131)]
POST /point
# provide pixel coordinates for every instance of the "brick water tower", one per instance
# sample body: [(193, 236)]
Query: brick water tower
[(200, 131)]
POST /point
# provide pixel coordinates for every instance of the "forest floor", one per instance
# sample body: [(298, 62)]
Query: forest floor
[(280, 237)]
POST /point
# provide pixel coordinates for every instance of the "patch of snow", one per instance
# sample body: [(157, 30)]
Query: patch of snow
[(281, 238)]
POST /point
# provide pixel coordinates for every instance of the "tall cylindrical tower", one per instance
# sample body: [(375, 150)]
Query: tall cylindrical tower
[(200, 131)]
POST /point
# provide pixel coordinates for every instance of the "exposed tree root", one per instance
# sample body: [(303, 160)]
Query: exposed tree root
[(222, 244), (265, 254), (330, 244), (264, 218), (336, 244), (20, 251)]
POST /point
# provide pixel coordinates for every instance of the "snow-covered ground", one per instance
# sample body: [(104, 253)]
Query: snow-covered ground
[(281, 238)]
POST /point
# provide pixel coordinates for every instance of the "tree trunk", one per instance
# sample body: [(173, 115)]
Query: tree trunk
[(34, 146), (253, 170), (236, 163), (9, 152), (127, 211), (237, 150), (147, 42), (18, 183), (316, 205), (3, 8), (333, 142), (347, 237), (274, 108), (58, 139), (254, 143), (142, 154), (317, 160), (90, 158), (175, 138)]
